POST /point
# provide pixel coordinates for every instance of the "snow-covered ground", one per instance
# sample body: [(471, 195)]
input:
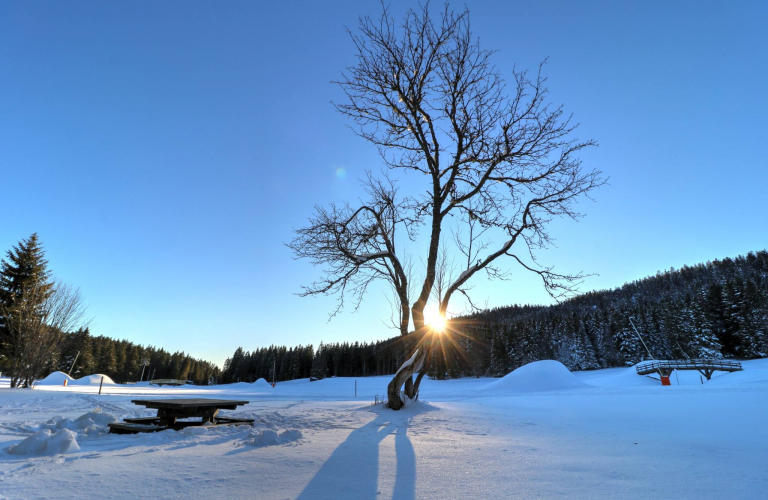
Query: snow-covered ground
[(540, 432)]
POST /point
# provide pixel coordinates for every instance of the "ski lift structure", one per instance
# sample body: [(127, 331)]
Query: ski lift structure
[(665, 367)]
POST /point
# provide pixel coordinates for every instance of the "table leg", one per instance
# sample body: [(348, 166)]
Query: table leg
[(210, 415), (166, 418)]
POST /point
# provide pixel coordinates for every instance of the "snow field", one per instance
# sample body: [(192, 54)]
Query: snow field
[(539, 432)]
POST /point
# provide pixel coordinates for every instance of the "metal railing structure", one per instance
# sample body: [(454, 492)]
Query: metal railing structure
[(705, 366), (167, 381)]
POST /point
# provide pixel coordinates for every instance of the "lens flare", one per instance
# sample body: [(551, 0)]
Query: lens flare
[(434, 319)]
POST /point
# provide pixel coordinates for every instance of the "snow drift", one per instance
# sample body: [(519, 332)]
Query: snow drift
[(45, 442), (548, 375), (270, 438), (262, 384), (56, 378), (94, 379), (60, 435), (617, 377)]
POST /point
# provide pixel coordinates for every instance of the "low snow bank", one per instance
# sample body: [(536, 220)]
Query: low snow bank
[(56, 378), (60, 435), (91, 423), (269, 437), (259, 385), (45, 442), (547, 375), (94, 379), (617, 377)]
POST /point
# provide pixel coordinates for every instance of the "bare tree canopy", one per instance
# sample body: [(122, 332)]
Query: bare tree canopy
[(499, 162)]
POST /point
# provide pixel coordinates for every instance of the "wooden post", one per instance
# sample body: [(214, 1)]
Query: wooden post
[(100, 384)]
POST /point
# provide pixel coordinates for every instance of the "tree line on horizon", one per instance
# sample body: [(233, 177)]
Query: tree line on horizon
[(124, 361), (712, 310), (280, 363)]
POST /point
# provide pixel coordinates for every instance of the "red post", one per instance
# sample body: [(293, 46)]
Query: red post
[(665, 380)]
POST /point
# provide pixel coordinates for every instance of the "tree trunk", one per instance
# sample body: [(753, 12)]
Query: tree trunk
[(422, 372), (403, 376)]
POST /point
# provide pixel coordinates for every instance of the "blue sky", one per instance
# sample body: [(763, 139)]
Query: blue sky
[(165, 150)]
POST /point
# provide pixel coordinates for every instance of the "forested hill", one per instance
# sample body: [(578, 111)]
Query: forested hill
[(715, 309), (123, 361)]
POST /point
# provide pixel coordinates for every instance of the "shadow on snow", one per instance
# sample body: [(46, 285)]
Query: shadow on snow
[(352, 470)]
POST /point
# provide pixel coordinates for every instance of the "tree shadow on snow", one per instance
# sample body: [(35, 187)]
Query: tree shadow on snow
[(352, 471)]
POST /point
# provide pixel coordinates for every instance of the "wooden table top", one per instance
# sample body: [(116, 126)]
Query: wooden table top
[(226, 404)]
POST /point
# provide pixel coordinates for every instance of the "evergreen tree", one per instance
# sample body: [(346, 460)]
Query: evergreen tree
[(704, 343)]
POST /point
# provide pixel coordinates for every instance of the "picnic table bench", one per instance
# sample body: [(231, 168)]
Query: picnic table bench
[(173, 414)]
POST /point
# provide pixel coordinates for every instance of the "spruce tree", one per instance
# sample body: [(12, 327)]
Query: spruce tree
[(704, 343)]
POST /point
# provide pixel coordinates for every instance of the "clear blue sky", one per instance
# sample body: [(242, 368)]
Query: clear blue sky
[(164, 150)]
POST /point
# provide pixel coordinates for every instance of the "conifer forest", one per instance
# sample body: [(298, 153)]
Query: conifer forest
[(717, 309)]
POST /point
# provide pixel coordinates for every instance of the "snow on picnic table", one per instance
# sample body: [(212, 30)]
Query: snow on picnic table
[(540, 432)]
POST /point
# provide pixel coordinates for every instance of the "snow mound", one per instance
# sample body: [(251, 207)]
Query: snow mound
[(94, 379), (547, 375), (270, 438), (56, 378), (94, 418), (45, 442), (93, 423), (262, 384)]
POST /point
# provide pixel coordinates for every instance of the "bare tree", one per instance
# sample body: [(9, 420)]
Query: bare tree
[(36, 325), (499, 163)]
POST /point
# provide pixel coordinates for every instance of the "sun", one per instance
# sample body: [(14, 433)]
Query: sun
[(434, 319)]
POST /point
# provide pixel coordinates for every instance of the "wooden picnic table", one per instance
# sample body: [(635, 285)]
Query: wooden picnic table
[(170, 413)]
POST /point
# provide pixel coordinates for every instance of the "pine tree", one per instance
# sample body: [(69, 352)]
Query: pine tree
[(704, 343), (754, 306), (108, 360), (627, 343)]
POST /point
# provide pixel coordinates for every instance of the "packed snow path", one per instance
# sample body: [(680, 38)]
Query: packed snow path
[(600, 434)]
